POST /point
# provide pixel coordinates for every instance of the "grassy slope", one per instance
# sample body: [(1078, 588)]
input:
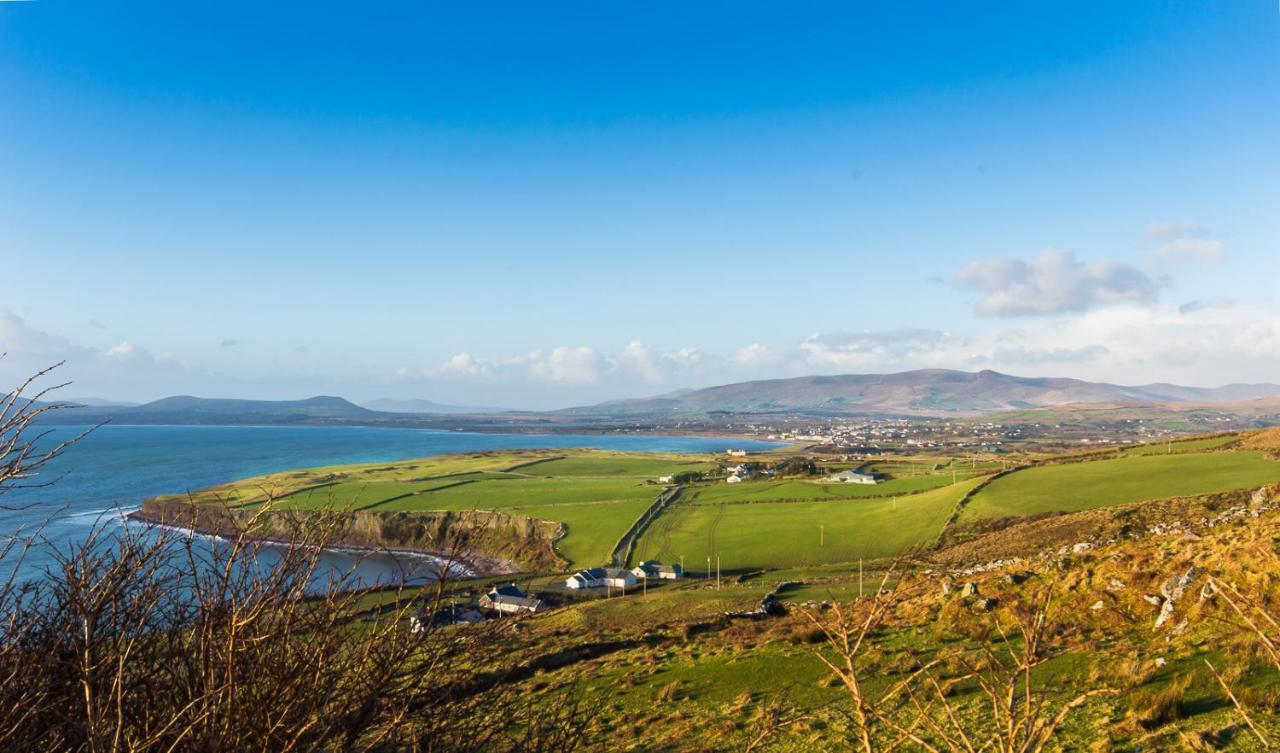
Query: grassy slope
[(1082, 486), (786, 534)]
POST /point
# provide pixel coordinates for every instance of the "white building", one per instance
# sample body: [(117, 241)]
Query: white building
[(509, 599), (651, 569), (850, 477), (734, 479), (589, 578), (601, 577)]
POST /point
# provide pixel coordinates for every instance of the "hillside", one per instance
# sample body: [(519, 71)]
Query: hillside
[(923, 392), (388, 405), (185, 409)]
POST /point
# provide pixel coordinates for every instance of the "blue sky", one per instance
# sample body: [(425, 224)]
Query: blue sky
[(534, 206)]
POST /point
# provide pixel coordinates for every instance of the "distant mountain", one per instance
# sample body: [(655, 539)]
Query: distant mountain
[(936, 392), (185, 409), (424, 406), (96, 402)]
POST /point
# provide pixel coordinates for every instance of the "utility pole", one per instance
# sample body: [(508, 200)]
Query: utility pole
[(859, 577), (717, 572), (708, 567)]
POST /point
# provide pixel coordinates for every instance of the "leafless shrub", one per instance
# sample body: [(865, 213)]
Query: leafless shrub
[(921, 711), (24, 452), (148, 640)]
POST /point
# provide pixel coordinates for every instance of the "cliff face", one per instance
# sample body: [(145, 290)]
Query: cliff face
[(484, 535)]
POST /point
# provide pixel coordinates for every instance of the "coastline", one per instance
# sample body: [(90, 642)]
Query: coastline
[(473, 564)]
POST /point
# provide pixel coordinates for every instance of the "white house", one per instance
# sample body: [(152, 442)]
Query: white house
[(589, 578), (736, 453), (664, 479), (601, 577), (850, 477), (651, 569), (734, 479), (509, 599), (619, 577)]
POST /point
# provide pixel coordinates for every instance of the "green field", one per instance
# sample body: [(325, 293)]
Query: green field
[(596, 495), (1100, 483), (614, 465), (787, 534), (1182, 445), (799, 489)]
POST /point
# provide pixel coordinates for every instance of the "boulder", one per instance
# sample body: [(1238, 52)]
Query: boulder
[(970, 590), (1115, 584), (1081, 548), (985, 605)]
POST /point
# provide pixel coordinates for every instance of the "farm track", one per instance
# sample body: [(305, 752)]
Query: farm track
[(711, 531)]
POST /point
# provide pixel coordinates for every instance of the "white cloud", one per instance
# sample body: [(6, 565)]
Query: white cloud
[(569, 365), (1182, 243), (1055, 282), (756, 355), (465, 364), (120, 351)]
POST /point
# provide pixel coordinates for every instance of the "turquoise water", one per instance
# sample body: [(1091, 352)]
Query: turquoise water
[(112, 470)]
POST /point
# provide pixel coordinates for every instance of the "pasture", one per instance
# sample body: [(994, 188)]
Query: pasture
[(596, 495), (770, 534), (1100, 483)]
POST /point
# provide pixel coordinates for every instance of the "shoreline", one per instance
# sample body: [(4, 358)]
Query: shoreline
[(474, 565)]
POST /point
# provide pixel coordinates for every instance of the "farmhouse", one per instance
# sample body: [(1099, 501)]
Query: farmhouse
[(619, 577), (850, 477), (651, 569), (734, 479), (600, 577), (590, 578), (509, 599), (736, 453)]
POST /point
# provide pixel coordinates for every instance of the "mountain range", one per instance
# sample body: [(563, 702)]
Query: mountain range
[(927, 392), (387, 405)]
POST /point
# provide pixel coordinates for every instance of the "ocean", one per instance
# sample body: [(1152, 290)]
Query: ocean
[(107, 474)]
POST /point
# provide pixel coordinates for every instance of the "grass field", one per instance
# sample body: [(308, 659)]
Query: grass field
[(596, 495), (1183, 445), (788, 534), (1100, 483), (797, 489), (615, 465)]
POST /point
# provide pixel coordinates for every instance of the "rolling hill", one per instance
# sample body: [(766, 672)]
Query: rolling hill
[(923, 392)]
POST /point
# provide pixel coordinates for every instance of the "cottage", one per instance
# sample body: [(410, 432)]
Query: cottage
[(850, 477), (589, 578), (619, 577), (664, 479), (651, 569), (736, 453), (734, 479), (601, 577), (509, 599)]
